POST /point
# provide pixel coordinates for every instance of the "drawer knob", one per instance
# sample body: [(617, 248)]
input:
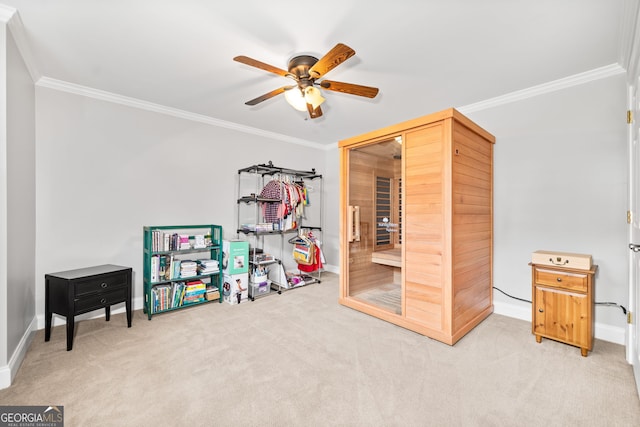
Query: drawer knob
[(103, 285), (541, 310), (103, 301), (559, 279)]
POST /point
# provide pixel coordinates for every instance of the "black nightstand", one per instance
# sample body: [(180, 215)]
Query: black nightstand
[(73, 292)]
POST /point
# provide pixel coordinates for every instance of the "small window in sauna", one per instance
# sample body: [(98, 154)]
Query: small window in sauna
[(384, 215)]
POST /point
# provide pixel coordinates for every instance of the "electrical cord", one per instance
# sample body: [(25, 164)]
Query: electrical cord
[(611, 304), (511, 296)]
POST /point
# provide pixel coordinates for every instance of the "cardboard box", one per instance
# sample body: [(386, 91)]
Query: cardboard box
[(212, 295), (235, 256), (235, 288), (562, 259)]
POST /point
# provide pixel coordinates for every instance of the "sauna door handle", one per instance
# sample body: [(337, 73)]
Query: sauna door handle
[(353, 220)]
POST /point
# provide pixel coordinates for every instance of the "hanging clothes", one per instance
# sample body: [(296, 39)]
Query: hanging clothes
[(308, 253), (288, 202), (270, 210)]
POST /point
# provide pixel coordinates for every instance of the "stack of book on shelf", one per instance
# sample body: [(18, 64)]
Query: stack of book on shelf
[(207, 266), (194, 292), (165, 297), (161, 241), (164, 241), (188, 268)]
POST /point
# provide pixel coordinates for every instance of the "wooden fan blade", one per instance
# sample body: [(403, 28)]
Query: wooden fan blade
[(255, 63), (367, 91), (314, 114), (268, 95), (336, 56)]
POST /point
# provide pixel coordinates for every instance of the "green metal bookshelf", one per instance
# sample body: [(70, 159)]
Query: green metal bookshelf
[(176, 258)]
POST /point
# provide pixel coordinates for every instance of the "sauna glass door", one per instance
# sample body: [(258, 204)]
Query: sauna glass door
[(374, 224)]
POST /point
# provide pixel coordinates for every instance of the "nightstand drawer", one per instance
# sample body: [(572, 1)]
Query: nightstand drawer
[(101, 300), (564, 280), (100, 284)]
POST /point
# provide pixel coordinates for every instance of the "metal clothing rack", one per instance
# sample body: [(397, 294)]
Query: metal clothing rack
[(262, 172), (270, 169)]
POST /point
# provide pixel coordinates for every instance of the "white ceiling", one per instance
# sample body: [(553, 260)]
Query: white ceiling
[(424, 55)]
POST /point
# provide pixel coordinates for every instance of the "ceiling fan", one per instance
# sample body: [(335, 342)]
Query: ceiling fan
[(306, 70)]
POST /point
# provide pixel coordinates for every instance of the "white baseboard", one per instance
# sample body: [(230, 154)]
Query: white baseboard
[(8, 372), (603, 332), (331, 268), (610, 333), (512, 310)]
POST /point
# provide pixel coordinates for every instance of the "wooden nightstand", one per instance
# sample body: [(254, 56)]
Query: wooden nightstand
[(562, 308)]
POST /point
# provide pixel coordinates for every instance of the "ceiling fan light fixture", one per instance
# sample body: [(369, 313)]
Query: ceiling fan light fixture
[(313, 96), (295, 99)]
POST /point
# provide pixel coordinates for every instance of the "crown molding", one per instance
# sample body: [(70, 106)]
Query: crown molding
[(552, 86), (6, 13), (102, 95), (11, 17), (567, 82)]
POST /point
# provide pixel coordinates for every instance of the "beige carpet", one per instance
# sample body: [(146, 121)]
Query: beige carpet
[(300, 359)]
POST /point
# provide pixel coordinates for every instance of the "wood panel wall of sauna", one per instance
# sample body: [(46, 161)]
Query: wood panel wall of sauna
[(446, 220)]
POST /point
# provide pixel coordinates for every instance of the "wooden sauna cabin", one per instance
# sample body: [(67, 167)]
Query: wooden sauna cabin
[(416, 224)]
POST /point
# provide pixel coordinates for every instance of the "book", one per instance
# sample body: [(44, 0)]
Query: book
[(155, 267), (162, 267), (165, 240)]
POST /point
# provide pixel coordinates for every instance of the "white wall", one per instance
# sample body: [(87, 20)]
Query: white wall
[(17, 206), (5, 375), (331, 243), (560, 176), (21, 230), (105, 170)]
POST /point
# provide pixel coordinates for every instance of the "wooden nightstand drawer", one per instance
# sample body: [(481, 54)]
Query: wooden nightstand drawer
[(100, 284), (564, 280), (101, 300)]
